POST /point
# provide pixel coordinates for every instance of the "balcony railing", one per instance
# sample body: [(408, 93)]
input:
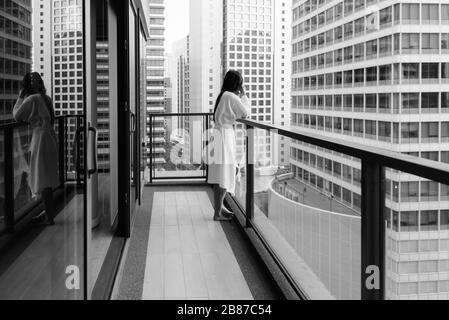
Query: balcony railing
[(332, 238), (16, 199), (179, 155)]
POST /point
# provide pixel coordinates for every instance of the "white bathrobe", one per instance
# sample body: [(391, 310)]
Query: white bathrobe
[(222, 149), (44, 145)]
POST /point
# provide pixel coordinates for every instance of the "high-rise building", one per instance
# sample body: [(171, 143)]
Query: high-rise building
[(206, 39), (15, 52), (205, 65), (180, 75), (256, 39), (376, 73), (58, 52), (58, 57), (156, 81)]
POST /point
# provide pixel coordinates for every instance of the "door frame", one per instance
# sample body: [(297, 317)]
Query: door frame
[(120, 9)]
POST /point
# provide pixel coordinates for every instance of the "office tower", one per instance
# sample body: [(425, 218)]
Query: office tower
[(206, 38), (156, 81), (58, 57), (376, 73), (282, 61), (15, 52), (180, 78), (103, 98), (256, 43), (58, 52), (205, 65)]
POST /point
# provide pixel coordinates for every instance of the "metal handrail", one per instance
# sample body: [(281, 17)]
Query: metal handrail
[(435, 171), (16, 124), (375, 161), (7, 131)]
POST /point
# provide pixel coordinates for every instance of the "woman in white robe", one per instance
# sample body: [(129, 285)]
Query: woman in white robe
[(232, 104), (36, 108)]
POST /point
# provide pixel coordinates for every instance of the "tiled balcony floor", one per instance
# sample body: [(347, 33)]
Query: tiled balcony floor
[(188, 255)]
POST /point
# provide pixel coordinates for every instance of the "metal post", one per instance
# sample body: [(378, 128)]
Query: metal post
[(9, 180), (373, 231), (151, 148), (249, 175), (207, 146), (61, 138)]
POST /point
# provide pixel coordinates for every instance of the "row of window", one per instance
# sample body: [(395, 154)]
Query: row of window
[(414, 221), (17, 11), (415, 191), (11, 67), (406, 73), (415, 246), (413, 102), (15, 29), (405, 43), (407, 13), (340, 194), (406, 132), (14, 48)]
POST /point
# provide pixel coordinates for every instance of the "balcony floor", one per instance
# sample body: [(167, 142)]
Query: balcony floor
[(177, 251)]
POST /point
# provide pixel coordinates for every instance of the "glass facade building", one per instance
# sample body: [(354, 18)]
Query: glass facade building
[(15, 51), (256, 41), (375, 72), (156, 81)]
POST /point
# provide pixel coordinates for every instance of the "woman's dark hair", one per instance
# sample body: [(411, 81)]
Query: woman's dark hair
[(33, 84), (233, 82)]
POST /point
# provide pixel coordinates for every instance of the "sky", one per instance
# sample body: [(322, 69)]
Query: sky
[(177, 21)]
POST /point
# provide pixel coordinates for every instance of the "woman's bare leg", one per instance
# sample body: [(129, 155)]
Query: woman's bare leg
[(47, 196), (219, 196)]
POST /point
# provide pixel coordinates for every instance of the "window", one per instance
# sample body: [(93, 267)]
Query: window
[(359, 76), (429, 191), (385, 131), (348, 54), (348, 30), (410, 72), (358, 127), (430, 43), (409, 219), (445, 13), (430, 14), (371, 49), (410, 43), (359, 26), (410, 131), (385, 75), (386, 17), (359, 4), (359, 52), (429, 131), (349, 6), (429, 101), (384, 102), (429, 220), (371, 128), (385, 46), (445, 101), (430, 71), (410, 13), (348, 77), (371, 75), (444, 219), (445, 42)]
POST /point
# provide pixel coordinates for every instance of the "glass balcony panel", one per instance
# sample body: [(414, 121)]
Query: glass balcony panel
[(2, 183), (177, 147), (417, 237), (308, 210)]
